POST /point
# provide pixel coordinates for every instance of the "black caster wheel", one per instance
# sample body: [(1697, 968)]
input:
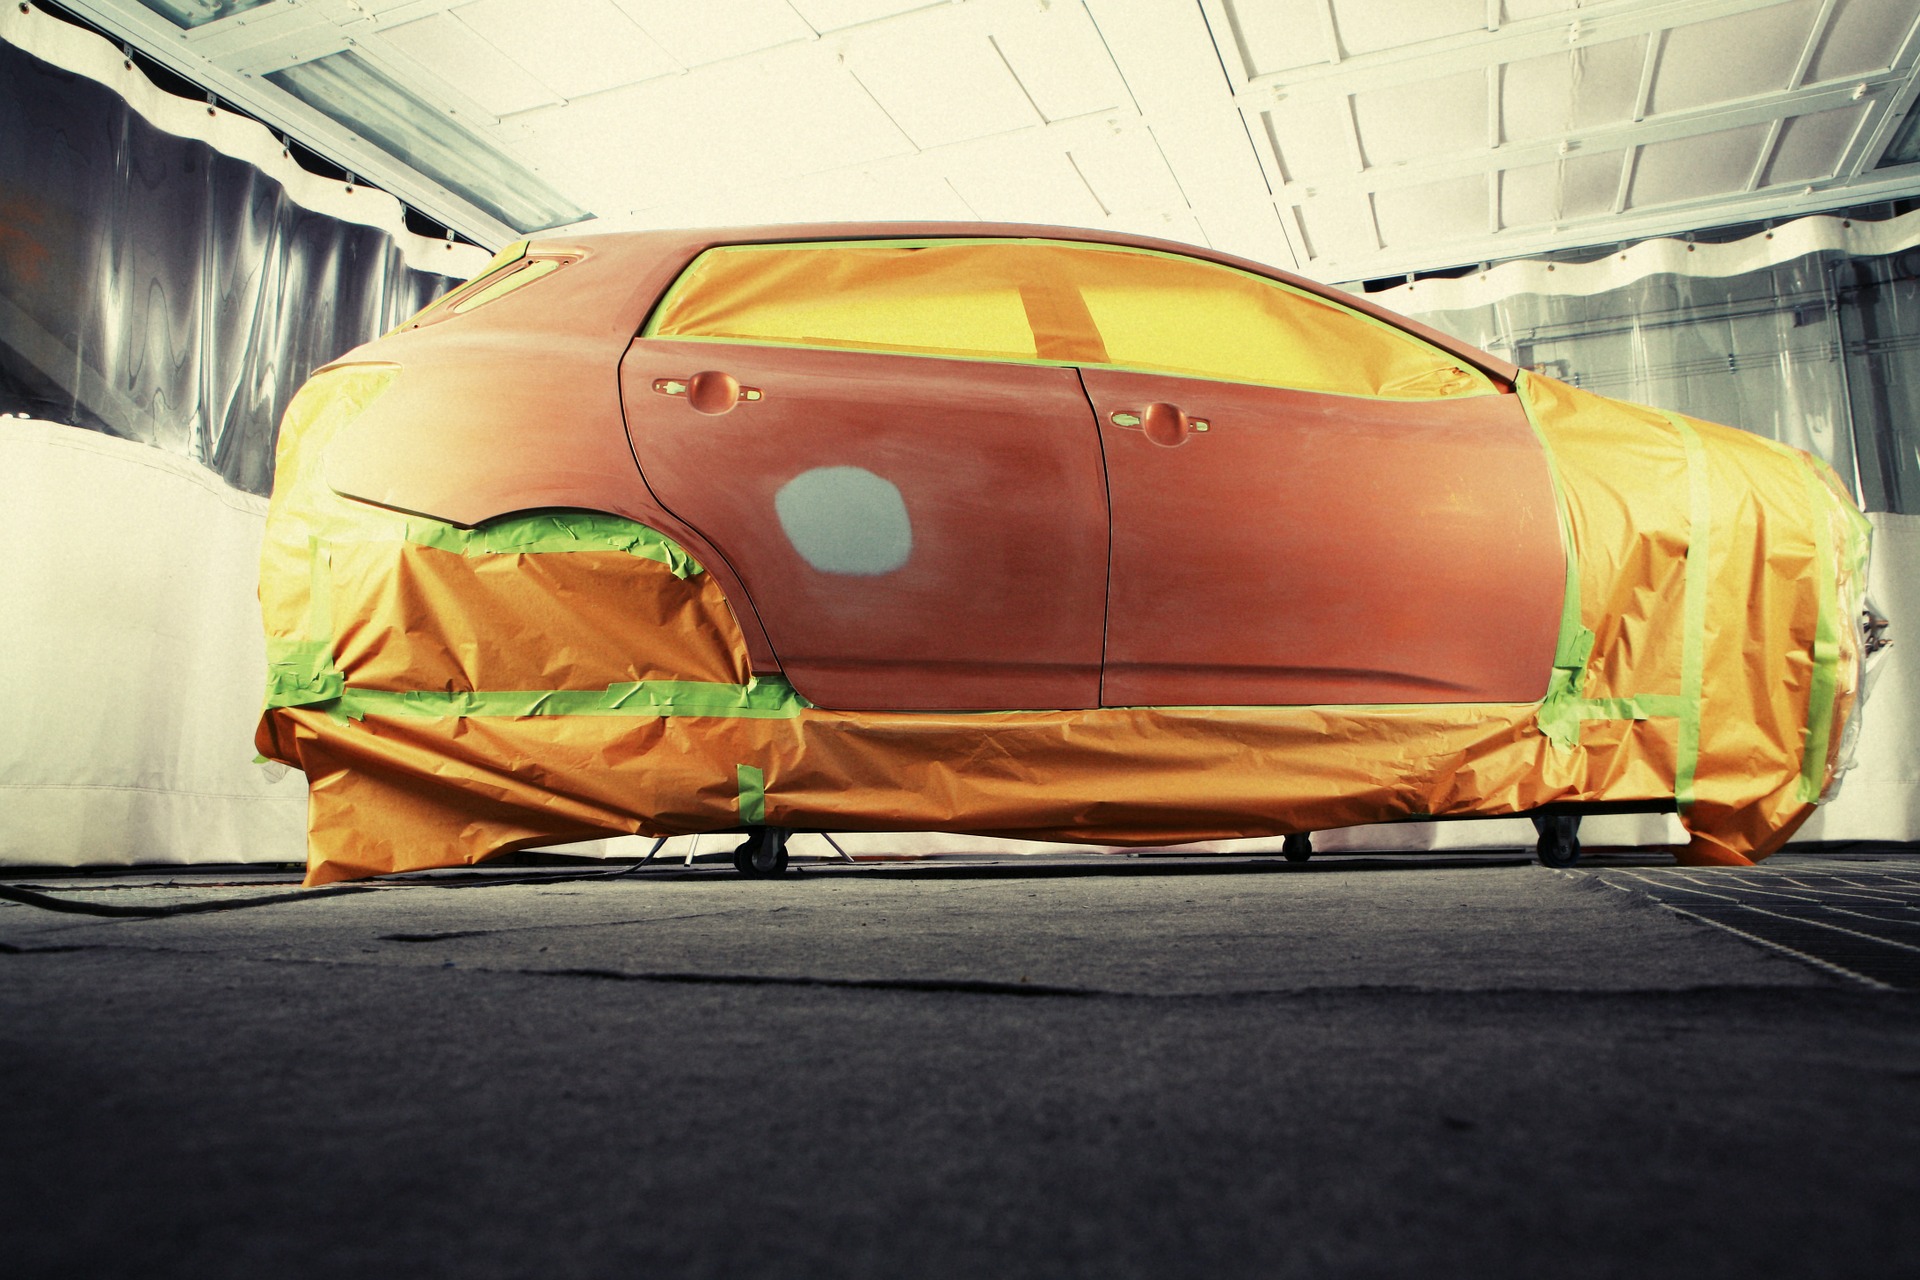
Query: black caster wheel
[(1298, 847), (763, 854), (1559, 839)]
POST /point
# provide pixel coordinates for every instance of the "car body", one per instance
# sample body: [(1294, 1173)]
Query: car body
[(1023, 531)]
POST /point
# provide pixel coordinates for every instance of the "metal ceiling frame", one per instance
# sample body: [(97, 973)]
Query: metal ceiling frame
[(1340, 77), (229, 57)]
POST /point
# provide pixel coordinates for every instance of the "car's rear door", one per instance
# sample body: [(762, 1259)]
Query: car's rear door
[(910, 491), (1309, 506)]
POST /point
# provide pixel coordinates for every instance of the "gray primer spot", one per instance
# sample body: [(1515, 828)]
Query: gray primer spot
[(845, 520)]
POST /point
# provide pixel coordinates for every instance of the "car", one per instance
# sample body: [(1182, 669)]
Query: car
[(1020, 531)]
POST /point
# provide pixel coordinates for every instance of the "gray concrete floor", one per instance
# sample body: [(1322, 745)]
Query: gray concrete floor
[(1464, 1066)]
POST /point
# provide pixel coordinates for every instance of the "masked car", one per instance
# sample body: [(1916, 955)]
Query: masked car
[(1018, 531)]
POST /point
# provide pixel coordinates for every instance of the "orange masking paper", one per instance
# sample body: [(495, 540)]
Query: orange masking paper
[(454, 694)]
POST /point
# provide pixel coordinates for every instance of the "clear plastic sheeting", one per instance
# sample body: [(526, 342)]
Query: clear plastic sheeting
[(1810, 348), (159, 290), (1880, 314)]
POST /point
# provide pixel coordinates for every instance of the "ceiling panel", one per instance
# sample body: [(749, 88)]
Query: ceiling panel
[(1367, 26), (1810, 146), (1583, 88), (1449, 210), (1737, 56), (1315, 138), (1865, 35), (937, 87), (446, 47), (835, 15), (783, 119), (574, 47), (1275, 35), (1061, 62), (1350, 138), (1128, 173), (1040, 187), (1429, 118), (1339, 226), (696, 34), (1589, 186), (1530, 194), (1697, 167)]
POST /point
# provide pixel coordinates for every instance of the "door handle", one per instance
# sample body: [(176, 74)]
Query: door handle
[(709, 391), (1164, 424)]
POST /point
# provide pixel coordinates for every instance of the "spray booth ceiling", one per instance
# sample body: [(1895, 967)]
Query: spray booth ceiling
[(1349, 139)]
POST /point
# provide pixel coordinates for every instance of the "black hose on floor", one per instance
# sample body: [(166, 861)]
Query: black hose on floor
[(71, 906), (49, 902)]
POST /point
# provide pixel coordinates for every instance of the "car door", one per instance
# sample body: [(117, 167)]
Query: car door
[(1341, 513), (910, 492)]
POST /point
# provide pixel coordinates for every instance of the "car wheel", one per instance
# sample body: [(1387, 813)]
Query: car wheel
[(1559, 844), (1297, 847), (764, 853)]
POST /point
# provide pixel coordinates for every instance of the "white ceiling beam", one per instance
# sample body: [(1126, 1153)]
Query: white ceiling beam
[(1758, 109), (1821, 22), (1794, 200), (1471, 50), (1496, 119), (1226, 43), (1649, 69), (1768, 147), (1350, 125), (1329, 37), (1629, 165)]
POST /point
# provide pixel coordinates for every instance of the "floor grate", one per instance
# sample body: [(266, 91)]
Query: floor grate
[(1862, 921)]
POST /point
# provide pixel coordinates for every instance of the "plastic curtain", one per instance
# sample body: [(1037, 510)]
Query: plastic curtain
[(156, 289), (1814, 351)]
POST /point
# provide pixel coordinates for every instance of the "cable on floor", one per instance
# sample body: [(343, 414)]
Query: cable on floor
[(72, 906)]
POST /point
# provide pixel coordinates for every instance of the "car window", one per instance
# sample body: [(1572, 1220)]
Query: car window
[(1053, 302), (1165, 314), (934, 299)]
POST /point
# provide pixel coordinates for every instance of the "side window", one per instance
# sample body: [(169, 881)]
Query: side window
[(1055, 302), (1162, 314), (934, 299)]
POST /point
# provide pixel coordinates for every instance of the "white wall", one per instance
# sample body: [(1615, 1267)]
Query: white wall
[(133, 660)]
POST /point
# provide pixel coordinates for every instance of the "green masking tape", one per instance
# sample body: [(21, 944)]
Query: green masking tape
[(1826, 646), (753, 794), (1563, 709), (757, 700), (558, 531), (1693, 643)]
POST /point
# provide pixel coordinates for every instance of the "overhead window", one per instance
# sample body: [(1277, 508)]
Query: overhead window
[(512, 269), (518, 278), (1052, 302)]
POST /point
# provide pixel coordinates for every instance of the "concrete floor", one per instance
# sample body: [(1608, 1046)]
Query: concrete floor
[(1128, 1067)]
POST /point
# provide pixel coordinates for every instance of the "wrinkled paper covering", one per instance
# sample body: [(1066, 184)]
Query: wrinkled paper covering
[(453, 694)]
